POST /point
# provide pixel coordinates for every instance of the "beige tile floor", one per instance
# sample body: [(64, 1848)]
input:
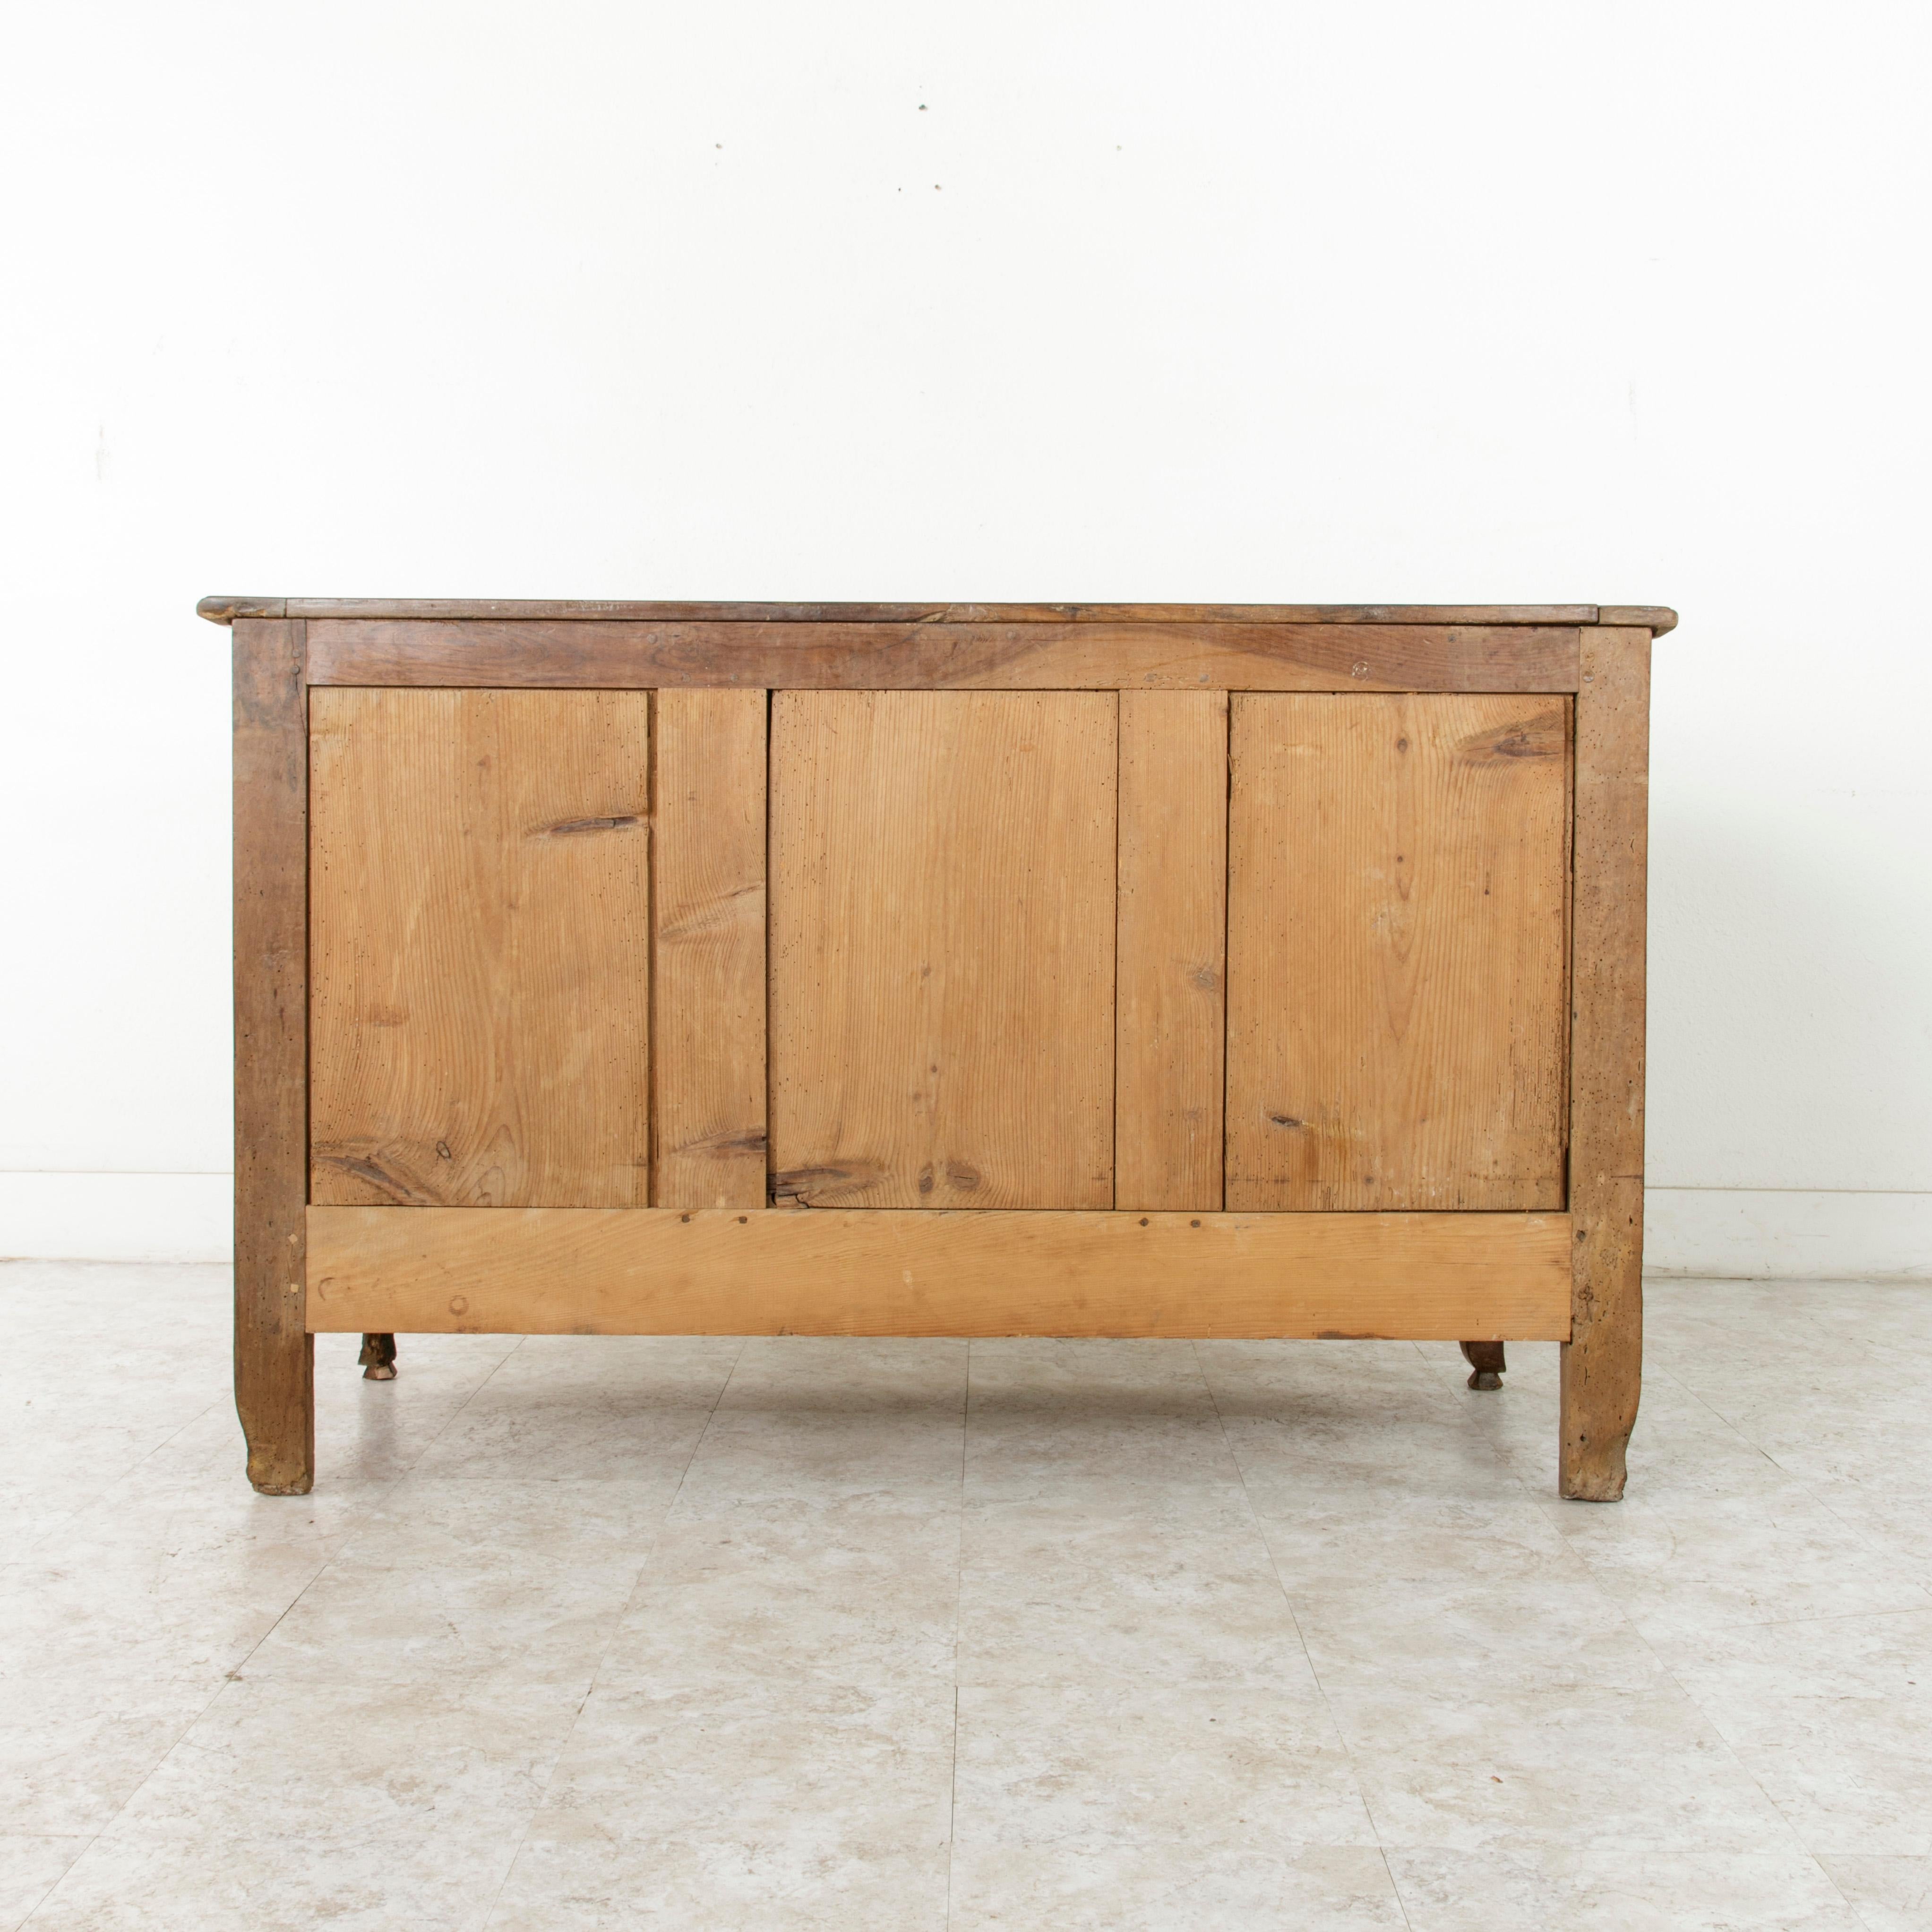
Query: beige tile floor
[(716, 1634)]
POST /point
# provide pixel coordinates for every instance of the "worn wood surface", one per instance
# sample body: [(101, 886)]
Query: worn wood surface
[(1171, 1019), (942, 948), (1397, 901), (870, 1272), (378, 1358), (708, 1049), (481, 948), (275, 1357), (1183, 653), (222, 610), (1602, 1363), (1656, 618)]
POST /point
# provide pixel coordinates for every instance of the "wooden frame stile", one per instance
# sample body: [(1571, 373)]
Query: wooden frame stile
[(1603, 1360), (274, 1352)]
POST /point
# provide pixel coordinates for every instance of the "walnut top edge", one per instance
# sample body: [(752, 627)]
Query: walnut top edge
[(226, 610), (1655, 618)]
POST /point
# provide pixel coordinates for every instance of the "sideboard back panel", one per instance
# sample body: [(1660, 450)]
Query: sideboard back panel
[(942, 948), (1397, 982), (480, 948), (939, 969)]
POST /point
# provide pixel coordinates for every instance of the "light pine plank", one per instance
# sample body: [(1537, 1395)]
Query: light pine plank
[(1172, 1014), (480, 905), (942, 948), (656, 1271), (1396, 952), (708, 1056), (274, 1357), (1602, 1365)]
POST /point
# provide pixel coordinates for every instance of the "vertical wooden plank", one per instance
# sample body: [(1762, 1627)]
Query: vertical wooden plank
[(1603, 1360), (942, 948), (274, 1355), (1398, 883), (481, 948), (708, 1051), (1172, 1013)]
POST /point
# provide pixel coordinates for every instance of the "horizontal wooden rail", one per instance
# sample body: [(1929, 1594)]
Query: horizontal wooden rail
[(664, 1271), (1189, 654)]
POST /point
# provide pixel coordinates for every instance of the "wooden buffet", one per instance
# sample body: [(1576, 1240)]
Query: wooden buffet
[(950, 970)]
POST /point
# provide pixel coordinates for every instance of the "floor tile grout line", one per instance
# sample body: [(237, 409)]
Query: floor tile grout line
[(181, 1737), (88, 1844), (386, 1490), (1864, 1536), (616, 1629), (1829, 1617), (1851, 1904), (233, 1673), (1734, 1475), (1730, 1749), (1587, 1574), (1300, 1636), (112, 1484), (1693, 1702)]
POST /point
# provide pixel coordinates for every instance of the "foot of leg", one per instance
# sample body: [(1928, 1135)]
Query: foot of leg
[(1486, 1364), (378, 1358)]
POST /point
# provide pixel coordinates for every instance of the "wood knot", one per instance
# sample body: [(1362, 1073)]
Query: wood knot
[(572, 828)]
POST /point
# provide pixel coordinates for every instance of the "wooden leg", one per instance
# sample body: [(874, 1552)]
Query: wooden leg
[(1486, 1366), (274, 1354), (1603, 1360), (378, 1358)]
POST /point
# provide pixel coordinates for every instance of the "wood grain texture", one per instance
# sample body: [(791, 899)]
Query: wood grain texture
[(1172, 1019), (1603, 1364), (1656, 618), (480, 949), (708, 1051), (275, 1357), (223, 609), (656, 1271), (1397, 909), (942, 948), (936, 654)]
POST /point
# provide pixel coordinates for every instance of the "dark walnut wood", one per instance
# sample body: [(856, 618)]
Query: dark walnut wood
[(378, 1358), (1185, 653), (1486, 1366), (275, 1372), (1603, 1360), (226, 610)]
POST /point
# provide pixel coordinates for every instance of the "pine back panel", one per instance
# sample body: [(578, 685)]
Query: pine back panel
[(480, 948), (1398, 1021)]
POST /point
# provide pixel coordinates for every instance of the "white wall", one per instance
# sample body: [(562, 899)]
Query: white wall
[(1249, 303)]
